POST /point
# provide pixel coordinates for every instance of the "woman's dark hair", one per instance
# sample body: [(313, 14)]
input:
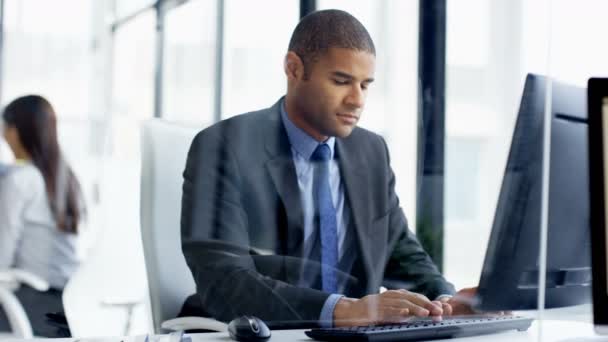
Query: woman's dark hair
[(36, 123)]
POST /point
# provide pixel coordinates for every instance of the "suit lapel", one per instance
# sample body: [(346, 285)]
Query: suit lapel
[(282, 171), (357, 193)]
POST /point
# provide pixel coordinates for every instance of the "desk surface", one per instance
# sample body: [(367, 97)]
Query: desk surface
[(550, 329)]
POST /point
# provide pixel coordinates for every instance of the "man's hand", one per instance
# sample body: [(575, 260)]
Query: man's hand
[(462, 302), (392, 306)]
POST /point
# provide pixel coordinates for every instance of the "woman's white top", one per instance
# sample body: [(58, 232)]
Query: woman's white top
[(29, 237)]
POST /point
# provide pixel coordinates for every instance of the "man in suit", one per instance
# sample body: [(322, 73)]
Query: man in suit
[(290, 214)]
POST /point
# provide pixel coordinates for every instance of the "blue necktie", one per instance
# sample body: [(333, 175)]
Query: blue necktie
[(327, 218)]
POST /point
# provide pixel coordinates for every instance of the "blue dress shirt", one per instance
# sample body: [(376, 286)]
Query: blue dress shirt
[(302, 148)]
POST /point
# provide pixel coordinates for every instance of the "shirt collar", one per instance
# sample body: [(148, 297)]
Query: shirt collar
[(22, 161), (303, 143)]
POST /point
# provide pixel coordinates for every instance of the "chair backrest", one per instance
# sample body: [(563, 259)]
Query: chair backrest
[(112, 274), (164, 150)]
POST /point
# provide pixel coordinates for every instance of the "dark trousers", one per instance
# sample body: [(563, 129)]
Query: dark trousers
[(37, 304)]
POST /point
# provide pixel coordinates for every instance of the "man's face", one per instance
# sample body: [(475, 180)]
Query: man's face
[(330, 102)]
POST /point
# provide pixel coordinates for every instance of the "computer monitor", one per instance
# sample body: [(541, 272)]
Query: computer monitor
[(598, 163), (509, 279)]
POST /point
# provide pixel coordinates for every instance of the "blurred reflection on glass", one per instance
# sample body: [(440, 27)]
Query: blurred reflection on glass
[(124, 8), (485, 42), (34, 40), (510, 276), (290, 213), (577, 53), (251, 49), (393, 103), (132, 83), (189, 70), (41, 208)]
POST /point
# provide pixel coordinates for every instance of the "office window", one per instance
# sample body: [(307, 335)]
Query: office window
[(133, 82), (47, 55), (57, 49), (484, 80), (124, 8), (254, 47), (460, 149), (468, 27), (189, 63), (391, 108), (577, 48), (132, 102), (483, 95), (488, 48)]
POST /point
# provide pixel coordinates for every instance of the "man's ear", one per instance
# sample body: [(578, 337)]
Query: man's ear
[(294, 67)]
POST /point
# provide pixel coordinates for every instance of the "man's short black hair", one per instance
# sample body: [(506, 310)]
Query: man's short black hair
[(321, 30)]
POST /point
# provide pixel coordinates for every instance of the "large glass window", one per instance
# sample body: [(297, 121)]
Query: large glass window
[(487, 62), (189, 63), (491, 46), (254, 52), (391, 108), (65, 60), (124, 8), (36, 37), (577, 51), (484, 82), (132, 102), (577, 36), (49, 56), (133, 82)]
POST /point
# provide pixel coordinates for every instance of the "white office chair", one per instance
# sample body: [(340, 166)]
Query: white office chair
[(164, 150), (107, 295), (10, 280), (94, 302)]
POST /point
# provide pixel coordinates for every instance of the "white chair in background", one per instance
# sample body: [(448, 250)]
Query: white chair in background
[(10, 281), (164, 150), (93, 301), (107, 295)]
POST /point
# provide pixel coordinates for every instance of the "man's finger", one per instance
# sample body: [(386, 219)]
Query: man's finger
[(394, 315), (420, 300), (447, 309), (414, 309)]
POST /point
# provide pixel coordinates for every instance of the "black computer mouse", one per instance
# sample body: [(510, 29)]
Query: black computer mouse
[(248, 328)]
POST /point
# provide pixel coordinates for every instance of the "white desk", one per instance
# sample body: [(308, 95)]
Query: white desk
[(553, 330), (560, 325)]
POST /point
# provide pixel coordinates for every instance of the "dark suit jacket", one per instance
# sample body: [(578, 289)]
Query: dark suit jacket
[(241, 194)]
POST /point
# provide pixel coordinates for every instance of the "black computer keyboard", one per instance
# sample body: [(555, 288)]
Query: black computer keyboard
[(424, 329)]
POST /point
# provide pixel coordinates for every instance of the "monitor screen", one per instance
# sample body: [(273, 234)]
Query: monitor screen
[(604, 142), (509, 279), (598, 159)]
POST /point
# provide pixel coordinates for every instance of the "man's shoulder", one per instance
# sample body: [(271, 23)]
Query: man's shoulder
[(362, 136), (364, 145)]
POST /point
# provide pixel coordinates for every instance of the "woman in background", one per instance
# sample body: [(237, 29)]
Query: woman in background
[(41, 208)]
